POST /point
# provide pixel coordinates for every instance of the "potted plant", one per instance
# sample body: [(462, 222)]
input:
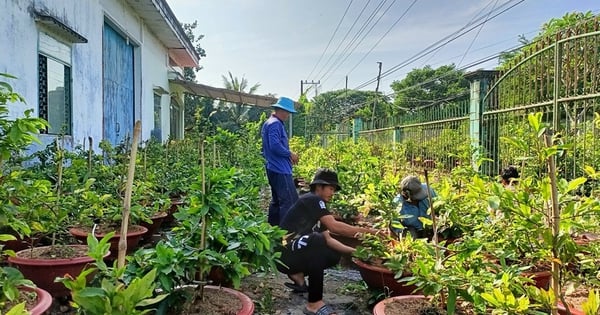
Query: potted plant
[(19, 295), (100, 208), (230, 239), (106, 294)]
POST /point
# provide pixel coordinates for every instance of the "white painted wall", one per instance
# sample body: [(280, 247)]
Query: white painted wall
[(18, 56), (154, 70)]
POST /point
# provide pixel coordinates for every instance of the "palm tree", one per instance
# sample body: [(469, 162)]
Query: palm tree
[(236, 114)]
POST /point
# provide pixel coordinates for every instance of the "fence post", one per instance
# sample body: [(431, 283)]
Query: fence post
[(397, 135), (356, 128), (479, 85)]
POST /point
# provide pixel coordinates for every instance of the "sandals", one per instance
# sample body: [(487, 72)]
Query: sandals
[(324, 310), (296, 288)]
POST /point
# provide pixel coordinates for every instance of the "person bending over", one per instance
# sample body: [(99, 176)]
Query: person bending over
[(309, 248), (413, 203)]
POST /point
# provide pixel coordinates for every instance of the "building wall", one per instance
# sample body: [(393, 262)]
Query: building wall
[(19, 52)]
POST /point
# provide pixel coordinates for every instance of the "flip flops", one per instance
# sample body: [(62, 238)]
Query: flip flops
[(296, 288), (324, 310)]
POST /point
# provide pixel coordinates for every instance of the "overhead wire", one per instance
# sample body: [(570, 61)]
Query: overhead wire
[(381, 38), (331, 39), (345, 36), (444, 41), (337, 63), (354, 107), (475, 37)]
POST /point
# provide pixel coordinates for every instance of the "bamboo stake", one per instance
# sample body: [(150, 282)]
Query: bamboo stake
[(554, 219), (89, 158), (434, 226), (204, 223), (137, 129), (59, 163)]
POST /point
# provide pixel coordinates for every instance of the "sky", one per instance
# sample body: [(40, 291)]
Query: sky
[(279, 43)]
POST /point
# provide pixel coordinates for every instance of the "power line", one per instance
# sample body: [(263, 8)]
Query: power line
[(354, 107), (381, 38), (476, 35), (356, 36), (345, 36), (447, 40), (331, 39)]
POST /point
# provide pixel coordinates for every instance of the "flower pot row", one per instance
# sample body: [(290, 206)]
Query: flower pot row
[(415, 304)]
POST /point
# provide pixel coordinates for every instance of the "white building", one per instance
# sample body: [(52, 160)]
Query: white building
[(92, 68)]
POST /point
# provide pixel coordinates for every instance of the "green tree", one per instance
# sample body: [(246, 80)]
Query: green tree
[(195, 106), (231, 116), (329, 108), (426, 86), (189, 73)]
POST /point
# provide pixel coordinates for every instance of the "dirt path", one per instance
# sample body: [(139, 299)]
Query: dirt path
[(344, 291)]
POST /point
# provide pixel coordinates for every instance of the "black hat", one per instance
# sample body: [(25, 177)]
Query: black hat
[(326, 177)]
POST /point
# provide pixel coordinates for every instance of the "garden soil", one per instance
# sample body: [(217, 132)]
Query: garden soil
[(343, 290)]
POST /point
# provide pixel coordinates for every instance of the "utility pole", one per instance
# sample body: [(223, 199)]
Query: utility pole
[(311, 82), (376, 95)]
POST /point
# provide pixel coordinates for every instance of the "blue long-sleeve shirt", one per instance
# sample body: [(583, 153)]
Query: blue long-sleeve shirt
[(415, 211), (275, 146)]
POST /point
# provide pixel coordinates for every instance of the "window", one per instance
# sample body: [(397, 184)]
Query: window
[(54, 76), (157, 131), (175, 113)]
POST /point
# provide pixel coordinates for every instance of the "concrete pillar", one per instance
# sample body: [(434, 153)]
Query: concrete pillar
[(479, 135), (356, 128)]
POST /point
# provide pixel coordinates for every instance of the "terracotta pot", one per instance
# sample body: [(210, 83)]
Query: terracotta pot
[(541, 278), (44, 301), (562, 310), (346, 259), (217, 277), (246, 302), (134, 235), (379, 278), (157, 220), (379, 308), (348, 241), (43, 271), (175, 204)]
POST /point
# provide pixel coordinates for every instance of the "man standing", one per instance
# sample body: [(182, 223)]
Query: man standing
[(279, 160)]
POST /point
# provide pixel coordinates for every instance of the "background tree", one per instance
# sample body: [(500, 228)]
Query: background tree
[(330, 108), (231, 116), (196, 108), (427, 85)]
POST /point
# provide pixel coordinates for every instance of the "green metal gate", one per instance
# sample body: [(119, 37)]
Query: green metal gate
[(559, 78)]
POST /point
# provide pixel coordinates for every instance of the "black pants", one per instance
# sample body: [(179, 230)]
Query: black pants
[(310, 255)]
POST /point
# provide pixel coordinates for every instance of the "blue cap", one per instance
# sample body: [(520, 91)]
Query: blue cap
[(286, 104)]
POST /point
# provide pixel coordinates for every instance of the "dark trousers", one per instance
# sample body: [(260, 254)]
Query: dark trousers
[(283, 196), (311, 259)]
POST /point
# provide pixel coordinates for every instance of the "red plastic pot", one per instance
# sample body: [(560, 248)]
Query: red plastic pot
[(153, 227), (44, 301), (43, 271), (541, 278), (134, 235), (562, 310), (379, 308), (379, 278), (246, 302), (175, 204)]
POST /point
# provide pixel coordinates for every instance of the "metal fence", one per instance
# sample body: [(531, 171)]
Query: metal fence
[(559, 78), (448, 133)]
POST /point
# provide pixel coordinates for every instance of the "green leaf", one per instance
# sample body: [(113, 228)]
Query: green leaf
[(18, 309), (574, 184), (7, 237)]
